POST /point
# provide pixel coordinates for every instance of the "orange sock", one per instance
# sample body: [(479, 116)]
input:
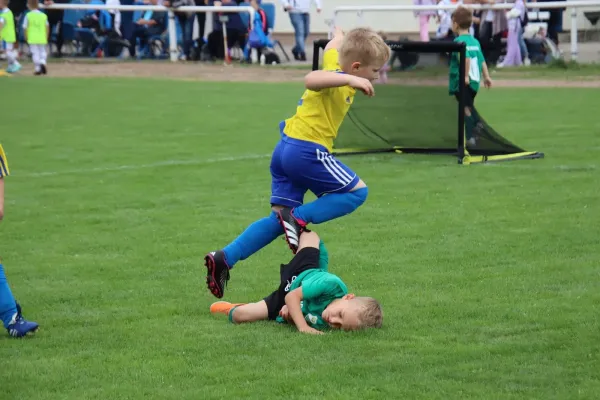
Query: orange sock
[(223, 307)]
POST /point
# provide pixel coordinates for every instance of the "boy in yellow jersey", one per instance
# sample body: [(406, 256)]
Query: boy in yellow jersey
[(302, 159), (37, 31), (10, 311), (8, 34)]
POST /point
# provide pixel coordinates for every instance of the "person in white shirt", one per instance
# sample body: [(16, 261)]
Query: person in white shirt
[(299, 11)]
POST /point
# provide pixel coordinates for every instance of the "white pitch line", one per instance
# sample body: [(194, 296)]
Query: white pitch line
[(144, 166)]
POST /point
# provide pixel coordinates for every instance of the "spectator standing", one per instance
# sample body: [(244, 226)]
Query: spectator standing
[(201, 17), (299, 11), (423, 17), (513, 52), (523, 19), (37, 31), (186, 22), (8, 35), (55, 18), (492, 24)]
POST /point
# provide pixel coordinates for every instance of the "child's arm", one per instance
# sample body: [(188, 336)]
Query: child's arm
[(467, 69), (292, 301), (335, 43), (47, 30), (487, 80), (319, 80)]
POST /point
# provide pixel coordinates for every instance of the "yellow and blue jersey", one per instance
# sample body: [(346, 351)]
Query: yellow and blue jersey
[(4, 171), (319, 114)]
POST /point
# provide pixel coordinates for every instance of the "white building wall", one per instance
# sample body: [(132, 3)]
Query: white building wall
[(396, 21)]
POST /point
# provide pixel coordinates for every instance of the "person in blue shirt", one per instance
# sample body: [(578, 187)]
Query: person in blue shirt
[(151, 23)]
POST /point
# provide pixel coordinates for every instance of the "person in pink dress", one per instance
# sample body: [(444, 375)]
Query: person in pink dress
[(423, 17), (513, 50)]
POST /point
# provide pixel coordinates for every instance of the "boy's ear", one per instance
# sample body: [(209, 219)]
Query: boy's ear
[(349, 296), (355, 66)]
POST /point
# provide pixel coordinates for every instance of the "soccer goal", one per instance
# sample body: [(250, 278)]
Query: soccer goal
[(414, 113)]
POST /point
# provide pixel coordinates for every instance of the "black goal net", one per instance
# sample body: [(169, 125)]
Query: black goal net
[(413, 112)]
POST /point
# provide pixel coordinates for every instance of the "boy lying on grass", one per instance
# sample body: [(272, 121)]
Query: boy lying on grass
[(308, 296)]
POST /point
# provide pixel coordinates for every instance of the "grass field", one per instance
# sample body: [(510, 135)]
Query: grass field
[(488, 274)]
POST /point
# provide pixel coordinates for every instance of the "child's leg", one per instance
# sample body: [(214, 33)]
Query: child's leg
[(11, 55), (43, 55), (249, 313), (258, 235), (332, 206), (35, 56), (265, 230), (339, 190), (240, 313), (469, 123), (471, 116), (8, 306)]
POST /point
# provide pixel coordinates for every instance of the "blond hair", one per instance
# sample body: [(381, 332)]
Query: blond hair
[(33, 4), (370, 313), (365, 46)]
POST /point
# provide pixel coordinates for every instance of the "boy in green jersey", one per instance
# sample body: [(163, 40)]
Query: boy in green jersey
[(37, 31), (308, 296), (8, 35), (475, 67)]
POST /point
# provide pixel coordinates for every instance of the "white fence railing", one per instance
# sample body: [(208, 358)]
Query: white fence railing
[(574, 6), (173, 53)]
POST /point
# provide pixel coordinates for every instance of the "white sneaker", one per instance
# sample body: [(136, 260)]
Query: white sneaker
[(527, 62), (500, 65), (471, 142)]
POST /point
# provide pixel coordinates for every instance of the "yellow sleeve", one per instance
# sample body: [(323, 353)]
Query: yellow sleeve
[(331, 60), (4, 171)]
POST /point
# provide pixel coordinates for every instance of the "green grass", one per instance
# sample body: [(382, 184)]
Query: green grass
[(488, 274)]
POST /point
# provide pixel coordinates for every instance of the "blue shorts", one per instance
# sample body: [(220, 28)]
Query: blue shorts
[(298, 166)]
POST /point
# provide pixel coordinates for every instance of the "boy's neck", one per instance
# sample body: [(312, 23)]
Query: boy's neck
[(463, 32)]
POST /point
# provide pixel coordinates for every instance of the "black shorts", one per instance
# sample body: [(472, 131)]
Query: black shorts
[(305, 259), (469, 95)]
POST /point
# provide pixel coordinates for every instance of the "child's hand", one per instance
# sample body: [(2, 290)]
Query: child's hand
[(467, 81), (338, 31), (310, 330), (284, 313), (487, 81), (362, 84)]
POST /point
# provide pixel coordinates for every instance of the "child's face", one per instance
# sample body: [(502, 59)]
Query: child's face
[(343, 314), (367, 71)]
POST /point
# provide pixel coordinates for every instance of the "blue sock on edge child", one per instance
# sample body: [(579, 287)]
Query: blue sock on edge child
[(8, 306)]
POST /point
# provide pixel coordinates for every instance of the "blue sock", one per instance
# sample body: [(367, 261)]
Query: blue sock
[(331, 206), (254, 238), (8, 306)]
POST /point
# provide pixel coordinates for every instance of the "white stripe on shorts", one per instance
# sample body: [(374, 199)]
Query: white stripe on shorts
[(335, 170), (335, 165)]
